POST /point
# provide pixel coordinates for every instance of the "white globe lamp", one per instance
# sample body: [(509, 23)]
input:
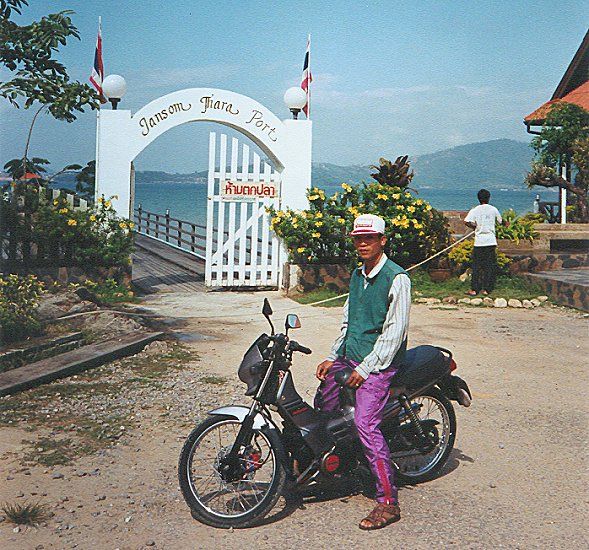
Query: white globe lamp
[(114, 88), (295, 99)]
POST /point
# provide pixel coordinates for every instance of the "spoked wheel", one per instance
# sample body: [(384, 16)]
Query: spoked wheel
[(221, 503), (436, 414)]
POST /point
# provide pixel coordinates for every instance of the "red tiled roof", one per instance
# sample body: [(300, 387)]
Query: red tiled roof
[(30, 176), (579, 96)]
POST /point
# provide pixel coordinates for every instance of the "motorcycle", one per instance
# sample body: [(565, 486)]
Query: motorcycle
[(236, 464)]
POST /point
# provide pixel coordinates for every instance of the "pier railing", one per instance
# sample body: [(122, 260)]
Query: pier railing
[(182, 234), (188, 236)]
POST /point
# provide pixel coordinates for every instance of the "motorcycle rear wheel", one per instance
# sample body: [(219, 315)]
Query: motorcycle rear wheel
[(223, 504), (417, 467)]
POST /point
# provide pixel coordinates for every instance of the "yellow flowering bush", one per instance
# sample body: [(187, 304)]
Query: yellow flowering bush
[(19, 297), (93, 238), (461, 255), (320, 233)]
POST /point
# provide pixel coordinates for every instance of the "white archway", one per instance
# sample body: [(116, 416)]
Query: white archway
[(121, 136)]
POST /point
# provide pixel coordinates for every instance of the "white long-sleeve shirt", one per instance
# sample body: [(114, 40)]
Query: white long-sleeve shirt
[(394, 329)]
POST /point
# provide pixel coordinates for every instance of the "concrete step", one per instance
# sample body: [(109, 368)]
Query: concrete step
[(72, 362), (567, 287)]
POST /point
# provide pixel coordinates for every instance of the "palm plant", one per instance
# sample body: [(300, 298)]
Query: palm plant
[(395, 174)]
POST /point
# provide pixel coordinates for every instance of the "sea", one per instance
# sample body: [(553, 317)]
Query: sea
[(189, 201)]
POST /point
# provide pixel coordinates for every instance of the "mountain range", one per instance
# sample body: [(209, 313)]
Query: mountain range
[(500, 163)]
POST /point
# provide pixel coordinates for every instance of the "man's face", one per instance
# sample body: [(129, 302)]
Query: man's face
[(369, 246)]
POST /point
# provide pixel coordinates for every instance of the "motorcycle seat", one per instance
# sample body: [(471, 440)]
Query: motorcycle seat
[(421, 365)]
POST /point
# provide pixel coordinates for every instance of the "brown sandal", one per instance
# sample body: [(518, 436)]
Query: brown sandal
[(381, 516)]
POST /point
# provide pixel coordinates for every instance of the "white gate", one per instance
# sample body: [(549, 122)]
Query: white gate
[(240, 248)]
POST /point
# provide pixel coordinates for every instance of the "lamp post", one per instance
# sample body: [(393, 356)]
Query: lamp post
[(114, 88), (295, 99)]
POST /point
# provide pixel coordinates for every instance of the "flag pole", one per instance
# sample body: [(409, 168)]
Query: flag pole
[(309, 70)]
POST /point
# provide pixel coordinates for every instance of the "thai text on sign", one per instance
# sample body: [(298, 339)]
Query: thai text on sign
[(239, 190)]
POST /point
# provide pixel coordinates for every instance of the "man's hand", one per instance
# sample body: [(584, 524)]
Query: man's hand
[(355, 380), (323, 369)]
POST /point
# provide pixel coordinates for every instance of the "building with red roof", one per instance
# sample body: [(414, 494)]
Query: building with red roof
[(572, 88)]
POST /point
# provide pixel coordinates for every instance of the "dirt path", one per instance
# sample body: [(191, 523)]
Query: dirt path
[(516, 478)]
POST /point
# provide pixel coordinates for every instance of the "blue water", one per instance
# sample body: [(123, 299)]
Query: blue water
[(188, 201)]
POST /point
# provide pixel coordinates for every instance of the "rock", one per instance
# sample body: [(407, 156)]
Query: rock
[(82, 307), (542, 298), (449, 300), (501, 446), (418, 301), (476, 301), (47, 311), (431, 301), (57, 475), (488, 301), (9, 478), (2, 518), (492, 485), (127, 519), (464, 301), (16, 530), (100, 497), (535, 302), (20, 494), (444, 306), (465, 275), (513, 302), (150, 543), (500, 302), (527, 304)]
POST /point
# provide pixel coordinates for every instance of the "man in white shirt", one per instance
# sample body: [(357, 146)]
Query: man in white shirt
[(373, 340), (482, 219)]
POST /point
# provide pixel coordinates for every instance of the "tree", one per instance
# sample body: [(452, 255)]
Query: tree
[(28, 51), (85, 180), (564, 138)]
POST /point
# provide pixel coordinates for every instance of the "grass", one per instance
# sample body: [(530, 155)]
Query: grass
[(215, 380), (423, 287), (27, 513)]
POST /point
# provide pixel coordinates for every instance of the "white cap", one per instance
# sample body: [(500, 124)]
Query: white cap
[(368, 223)]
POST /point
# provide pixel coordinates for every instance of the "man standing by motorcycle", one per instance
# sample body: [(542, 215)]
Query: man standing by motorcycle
[(373, 340)]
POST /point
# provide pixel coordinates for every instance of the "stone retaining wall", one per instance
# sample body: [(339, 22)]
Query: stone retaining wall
[(75, 274), (304, 278), (533, 262)]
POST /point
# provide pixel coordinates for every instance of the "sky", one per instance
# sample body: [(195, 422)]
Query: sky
[(390, 77)]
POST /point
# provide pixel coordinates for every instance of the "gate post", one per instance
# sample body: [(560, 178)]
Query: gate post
[(113, 160), (296, 175)]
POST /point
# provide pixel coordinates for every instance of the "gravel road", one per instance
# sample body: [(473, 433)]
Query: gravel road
[(516, 479)]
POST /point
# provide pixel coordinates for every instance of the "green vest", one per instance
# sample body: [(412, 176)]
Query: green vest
[(367, 311)]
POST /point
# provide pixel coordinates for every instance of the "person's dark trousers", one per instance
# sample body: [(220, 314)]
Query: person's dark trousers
[(484, 268)]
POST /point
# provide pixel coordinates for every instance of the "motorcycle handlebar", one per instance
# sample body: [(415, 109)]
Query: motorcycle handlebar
[(295, 346)]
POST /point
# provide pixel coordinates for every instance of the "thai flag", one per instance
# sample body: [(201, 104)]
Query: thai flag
[(307, 77), (98, 70)]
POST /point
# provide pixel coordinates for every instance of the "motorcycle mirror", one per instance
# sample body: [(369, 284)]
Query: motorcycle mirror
[(266, 312), (292, 321)]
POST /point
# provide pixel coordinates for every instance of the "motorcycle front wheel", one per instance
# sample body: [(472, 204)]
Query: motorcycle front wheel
[(239, 503)]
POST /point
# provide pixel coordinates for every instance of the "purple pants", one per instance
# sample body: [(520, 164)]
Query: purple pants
[(371, 397)]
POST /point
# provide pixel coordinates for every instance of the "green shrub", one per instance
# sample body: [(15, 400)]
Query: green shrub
[(320, 234), (518, 228), (19, 298), (461, 255), (94, 238)]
